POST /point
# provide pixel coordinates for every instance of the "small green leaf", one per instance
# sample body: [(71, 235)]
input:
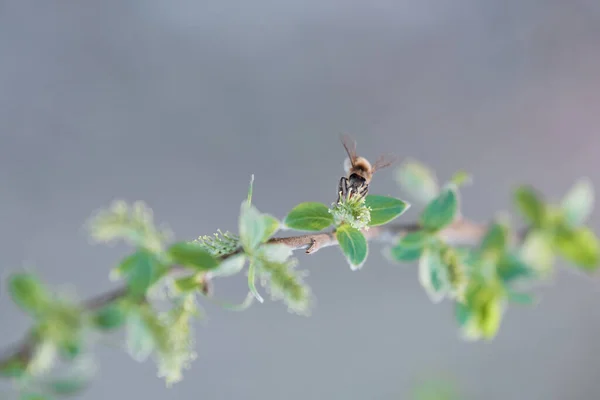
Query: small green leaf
[(537, 252), (433, 274), (67, 387), (187, 283), (140, 342), (309, 216), (250, 226), (250, 189), (384, 209), (578, 202), (525, 299), (110, 317), (490, 316), (70, 350), (579, 246), (462, 313), (275, 252), (461, 178), (486, 304), (510, 268), (28, 292), (255, 228), (12, 369), (410, 246), (230, 266), (441, 211), (353, 244), (252, 282), (43, 358), (415, 239), (403, 254), (436, 390), (271, 225), (495, 240), (418, 181), (142, 270), (530, 205), (192, 255), (33, 396)]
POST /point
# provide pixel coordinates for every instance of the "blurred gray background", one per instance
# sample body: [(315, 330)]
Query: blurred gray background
[(178, 102)]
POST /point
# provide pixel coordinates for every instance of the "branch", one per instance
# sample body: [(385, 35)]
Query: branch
[(461, 232)]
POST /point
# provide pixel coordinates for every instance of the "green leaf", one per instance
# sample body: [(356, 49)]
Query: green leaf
[(537, 252), (353, 244), (525, 299), (441, 211), (384, 209), (530, 205), (495, 240), (275, 252), (140, 342), (188, 283), (110, 317), (255, 227), (28, 292), (70, 350), (271, 225), (12, 369), (192, 255), (486, 305), (410, 246), (489, 318), (433, 274), (66, 386), (436, 390), (230, 266), (250, 189), (510, 268), (415, 239), (43, 358), (33, 396), (461, 178), (251, 227), (309, 216), (462, 313), (578, 202), (418, 181), (403, 254), (579, 246), (252, 282), (141, 270)]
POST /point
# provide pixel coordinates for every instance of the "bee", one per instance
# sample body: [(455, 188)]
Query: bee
[(359, 171)]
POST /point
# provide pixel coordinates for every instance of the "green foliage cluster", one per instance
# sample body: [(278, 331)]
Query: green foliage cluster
[(483, 279), (351, 218), (164, 279)]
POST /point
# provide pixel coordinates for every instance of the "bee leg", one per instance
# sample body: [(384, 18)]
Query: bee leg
[(342, 188), (364, 190)]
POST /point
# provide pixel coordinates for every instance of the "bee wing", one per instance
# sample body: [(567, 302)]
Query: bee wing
[(384, 161), (350, 146)]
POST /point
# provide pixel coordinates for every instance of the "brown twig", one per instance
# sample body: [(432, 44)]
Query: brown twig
[(461, 232)]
